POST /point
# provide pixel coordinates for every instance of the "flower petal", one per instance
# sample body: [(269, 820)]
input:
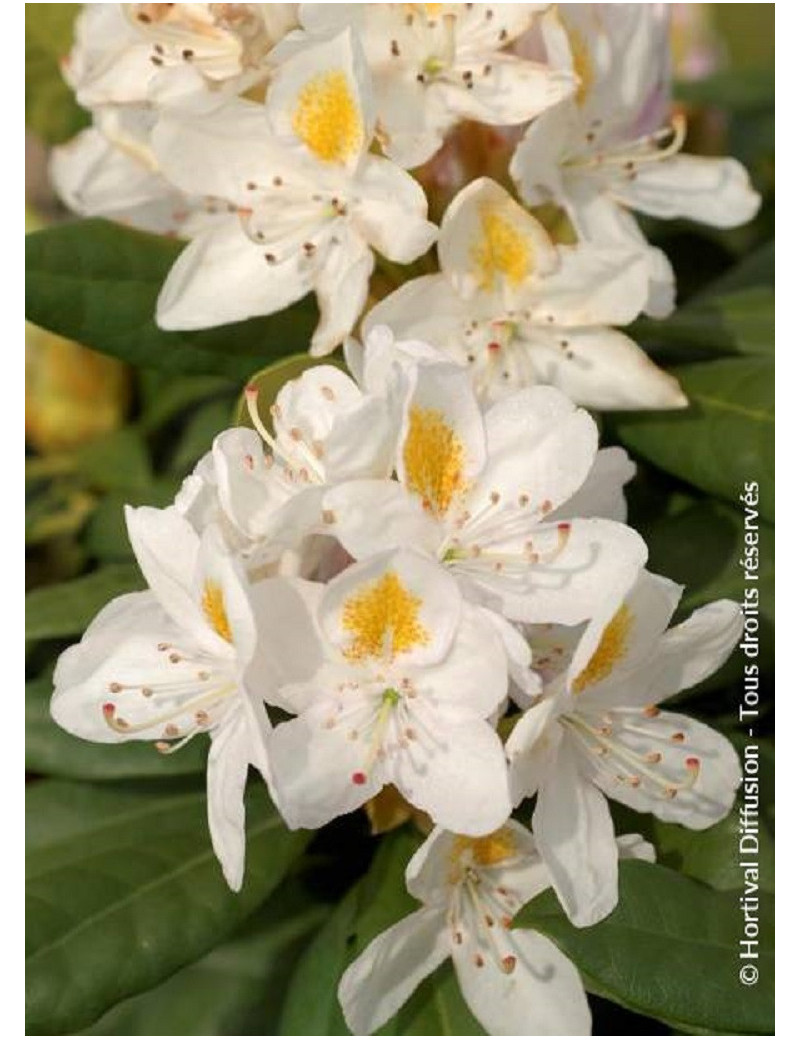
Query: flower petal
[(542, 996), (390, 212), (228, 761), (341, 281), (575, 834), (371, 516), (602, 493), (384, 976)]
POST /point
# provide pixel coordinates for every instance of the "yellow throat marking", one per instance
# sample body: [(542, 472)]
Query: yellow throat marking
[(581, 64), (383, 617), (501, 251), (433, 457), (487, 851), (213, 604), (611, 649), (327, 117)]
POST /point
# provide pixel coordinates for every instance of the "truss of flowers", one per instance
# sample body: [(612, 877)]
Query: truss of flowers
[(415, 575)]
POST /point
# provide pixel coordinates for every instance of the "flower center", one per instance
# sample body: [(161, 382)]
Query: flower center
[(486, 851), (433, 457), (213, 604), (327, 118), (502, 251), (610, 650), (383, 620)]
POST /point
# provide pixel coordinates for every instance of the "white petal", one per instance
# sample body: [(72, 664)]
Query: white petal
[(341, 282), (525, 684), (290, 648), (681, 657), (443, 439), (542, 996), (698, 764), (514, 91), (167, 551), (425, 308), (370, 516), (602, 493), (711, 191), (575, 833), (455, 771), (536, 163), (230, 617), (384, 976), (532, 747), (304, 82), (540, 450), (406, 603), (633, 846), (592, 285), (488, 241), (222, 277), (228, 761), (390, 212), (314, 764)]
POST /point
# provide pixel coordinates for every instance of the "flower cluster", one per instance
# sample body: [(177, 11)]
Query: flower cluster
[(278, 139), (415, 577), (372, 590)]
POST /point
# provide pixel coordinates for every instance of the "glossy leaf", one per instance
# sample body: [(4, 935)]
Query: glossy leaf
[(236, 990), (67, 608), (740, 322), (98, 282), (374, 904), (52, 751), (670, 950), (50, 107), (724, 439), (123, 889)]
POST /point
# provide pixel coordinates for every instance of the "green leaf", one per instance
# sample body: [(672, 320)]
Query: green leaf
[(52, 751), (709, 855), (50, 107), (67, 608), (106, 536), (269, 381), (236, 990), (118, 461), (201, 429), (735, 322), (167, 399), (755, 269), (742, 90), (378, 901), (123, 889), (724, 439), (98, 282), (670, 950)]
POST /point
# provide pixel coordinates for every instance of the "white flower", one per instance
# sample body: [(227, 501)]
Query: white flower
[(400, 678), (171, 54), (606, 151), (312, 200), (436, 64), (178, 660), (263, 487), (477, 493), (109, 170), (515, 981), (597, 733), (519, 311)]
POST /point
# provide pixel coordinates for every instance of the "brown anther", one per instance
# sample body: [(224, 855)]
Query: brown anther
[(670, 792), (524, 500), (162, 746), (188, 54), (171, 730), (458, 938), (328, 516), (678, 738), (174, 658), (146, 691), (163, 646), (309, 248), (251, 185), (651, 711), (156, 61), (489, 920), (296, 433), (277, 181), (653, 758), (508, 964), (494, 497), (395, 49), (503, 35), (546, 506), (478, 961), (270, 258), (115, 687)]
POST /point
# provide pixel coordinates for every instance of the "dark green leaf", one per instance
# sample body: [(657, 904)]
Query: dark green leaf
[(67, 608), (165, 399), (670, 950), (736, 322), (124, 889), (52, 751), (236, 990), (106, 536), (201, 429), (374, 904), (724, 439), (117, 461), (50, 108), (98, 282), (743, 90), (710, 855), (755, 269)]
